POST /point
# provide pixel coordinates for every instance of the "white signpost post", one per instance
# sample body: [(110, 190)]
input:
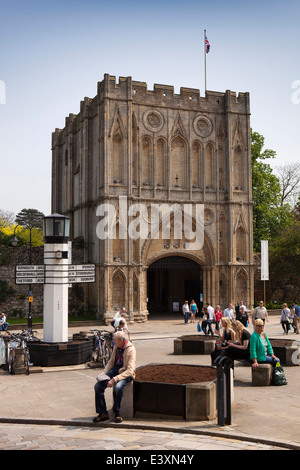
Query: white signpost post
[(264, 274), (56, 275)]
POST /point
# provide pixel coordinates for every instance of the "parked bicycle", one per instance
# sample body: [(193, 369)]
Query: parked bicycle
[(29, 335), (102, 346), (13, 343)]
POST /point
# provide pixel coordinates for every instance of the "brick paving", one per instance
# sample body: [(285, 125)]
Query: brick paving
[(54, 409), (54, 437)]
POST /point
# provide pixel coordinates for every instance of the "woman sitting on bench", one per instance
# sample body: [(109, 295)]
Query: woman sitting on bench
[(239, 349), (261, 351)]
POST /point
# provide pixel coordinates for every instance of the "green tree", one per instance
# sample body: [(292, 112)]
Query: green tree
[(285, 255), (270, 216), (30, 218)]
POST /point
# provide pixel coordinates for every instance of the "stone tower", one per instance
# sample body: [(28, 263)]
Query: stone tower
[(130, 145)]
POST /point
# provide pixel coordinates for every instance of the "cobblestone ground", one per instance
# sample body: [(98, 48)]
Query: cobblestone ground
[(44, 437)]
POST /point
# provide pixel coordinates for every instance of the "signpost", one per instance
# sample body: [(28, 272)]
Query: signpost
[(29, 274), (35, 274), (81, 273), (264, 264), (56, 275)]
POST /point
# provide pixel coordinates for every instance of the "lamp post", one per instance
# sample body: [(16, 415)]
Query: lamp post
[(14, 241), (56, 235)]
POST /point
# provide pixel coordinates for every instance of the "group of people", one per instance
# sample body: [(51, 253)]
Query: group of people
[(235, 340), (210, 316), (237, 343)]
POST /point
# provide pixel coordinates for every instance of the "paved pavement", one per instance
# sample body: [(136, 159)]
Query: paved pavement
[(54, 409)]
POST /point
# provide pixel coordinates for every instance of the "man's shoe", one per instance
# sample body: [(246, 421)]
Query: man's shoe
[(101, 417), (118, 419)]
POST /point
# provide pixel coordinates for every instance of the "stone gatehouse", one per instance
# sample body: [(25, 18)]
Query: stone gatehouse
[(130, 145)]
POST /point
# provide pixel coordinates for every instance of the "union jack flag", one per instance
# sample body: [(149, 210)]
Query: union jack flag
[(207, 45)]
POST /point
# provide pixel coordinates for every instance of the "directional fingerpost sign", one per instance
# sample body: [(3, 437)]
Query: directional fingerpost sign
[(30, 274), (81, 273), (35, 274)]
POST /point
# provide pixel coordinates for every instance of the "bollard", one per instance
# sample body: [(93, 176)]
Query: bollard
[(224, 366)]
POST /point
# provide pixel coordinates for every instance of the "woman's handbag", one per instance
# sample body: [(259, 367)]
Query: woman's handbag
[(198, 327), (278, 375)]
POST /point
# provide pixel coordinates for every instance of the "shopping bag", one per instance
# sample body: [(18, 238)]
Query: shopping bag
[(198, 327), (278, 375)]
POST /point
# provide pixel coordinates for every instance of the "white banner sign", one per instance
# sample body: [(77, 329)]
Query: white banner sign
[(264, 260)]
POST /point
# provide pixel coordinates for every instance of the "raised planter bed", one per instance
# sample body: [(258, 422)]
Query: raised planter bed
[(60, 354), (287, 350), (175, 391), (195, 344)]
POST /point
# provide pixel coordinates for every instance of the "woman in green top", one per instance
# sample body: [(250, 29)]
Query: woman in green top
[(261, 351)]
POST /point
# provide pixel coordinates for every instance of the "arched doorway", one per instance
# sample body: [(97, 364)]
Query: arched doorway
[(172, 280)]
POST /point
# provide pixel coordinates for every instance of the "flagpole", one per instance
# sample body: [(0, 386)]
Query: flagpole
[(205, 58)]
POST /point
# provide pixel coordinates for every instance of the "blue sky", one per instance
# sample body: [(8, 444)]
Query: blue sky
[(53, 53)]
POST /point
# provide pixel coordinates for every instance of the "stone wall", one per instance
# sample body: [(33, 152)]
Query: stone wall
[(16, 302), (277, 291)]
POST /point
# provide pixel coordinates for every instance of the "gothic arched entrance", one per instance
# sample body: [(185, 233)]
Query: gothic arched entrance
[(173, 279)]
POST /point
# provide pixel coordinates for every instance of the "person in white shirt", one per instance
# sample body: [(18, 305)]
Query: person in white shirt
[(186, 311), (122, 326), (260, 313), (210, 318), (228, 312), (117, 320), (117, 315)]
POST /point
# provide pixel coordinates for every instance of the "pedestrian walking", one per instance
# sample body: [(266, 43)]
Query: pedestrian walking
[(296, 316), (186, 311), (218, 317), (260, 313), (285, 319), (193, 310), (228, 312)]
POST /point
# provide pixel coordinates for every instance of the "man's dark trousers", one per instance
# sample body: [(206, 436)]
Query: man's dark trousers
[(118, 389)]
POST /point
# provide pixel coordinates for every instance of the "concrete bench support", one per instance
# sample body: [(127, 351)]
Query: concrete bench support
[(262, 375), (194, 345), (127, 408), (200, 401), (177, 346)]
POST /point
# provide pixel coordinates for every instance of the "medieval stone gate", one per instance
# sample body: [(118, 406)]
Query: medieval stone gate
[(149, 147)]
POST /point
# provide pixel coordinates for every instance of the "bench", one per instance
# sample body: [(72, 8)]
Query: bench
[(261, 375)]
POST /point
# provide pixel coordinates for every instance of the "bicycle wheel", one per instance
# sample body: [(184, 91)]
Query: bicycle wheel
[(106, 354), (96, 353), (11, 362), (26, 361)]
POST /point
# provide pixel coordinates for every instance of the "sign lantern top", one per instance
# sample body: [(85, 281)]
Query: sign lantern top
[(56, 228)]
